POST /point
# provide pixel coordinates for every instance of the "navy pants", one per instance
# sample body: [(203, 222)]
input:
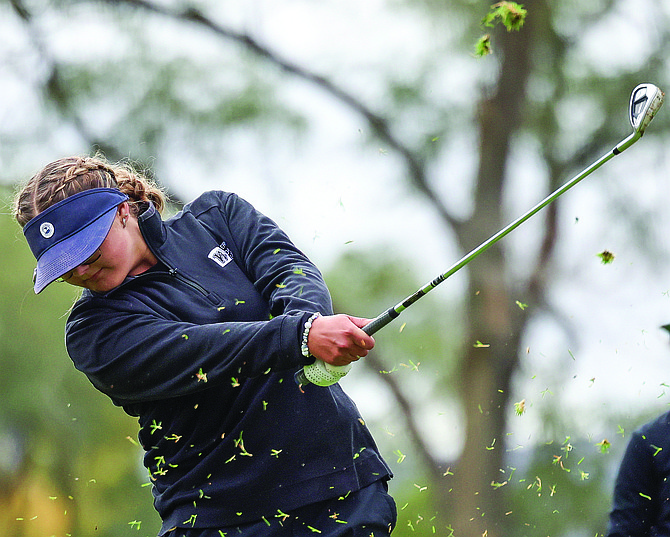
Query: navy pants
[(370, 512)]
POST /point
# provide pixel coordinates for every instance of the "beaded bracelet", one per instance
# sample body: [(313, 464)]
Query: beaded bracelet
[(305, 335)]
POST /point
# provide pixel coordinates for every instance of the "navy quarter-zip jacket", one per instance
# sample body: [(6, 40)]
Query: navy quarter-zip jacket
[(641, 503), (202, 349)]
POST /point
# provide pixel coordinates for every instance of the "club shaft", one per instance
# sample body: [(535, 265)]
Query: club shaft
[(386, 317)]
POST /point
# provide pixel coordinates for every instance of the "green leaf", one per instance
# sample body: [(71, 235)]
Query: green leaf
[(510, 14), (483, 46)]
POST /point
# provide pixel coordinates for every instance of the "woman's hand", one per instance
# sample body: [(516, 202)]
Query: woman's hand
[(338, 339)]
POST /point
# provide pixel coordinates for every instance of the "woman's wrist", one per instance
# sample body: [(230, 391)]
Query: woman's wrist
[(304, 347)]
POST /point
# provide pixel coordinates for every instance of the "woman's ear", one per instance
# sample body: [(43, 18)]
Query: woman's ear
[(124, 212)]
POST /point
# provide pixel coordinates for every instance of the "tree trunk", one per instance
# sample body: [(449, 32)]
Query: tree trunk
[(495, 322)]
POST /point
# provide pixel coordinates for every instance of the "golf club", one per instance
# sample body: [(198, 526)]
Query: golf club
[(645, 101)]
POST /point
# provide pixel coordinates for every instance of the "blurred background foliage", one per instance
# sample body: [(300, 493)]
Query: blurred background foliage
[(67, 454), (370, 126)]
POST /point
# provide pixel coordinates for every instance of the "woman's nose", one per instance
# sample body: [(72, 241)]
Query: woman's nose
[(81, 270)]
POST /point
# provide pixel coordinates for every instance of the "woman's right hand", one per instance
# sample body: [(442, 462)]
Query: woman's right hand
[(338, 339)]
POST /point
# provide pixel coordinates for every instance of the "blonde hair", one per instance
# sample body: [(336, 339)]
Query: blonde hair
[(68, 176)]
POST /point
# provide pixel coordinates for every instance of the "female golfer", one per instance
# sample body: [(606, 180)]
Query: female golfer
[(196, 325)]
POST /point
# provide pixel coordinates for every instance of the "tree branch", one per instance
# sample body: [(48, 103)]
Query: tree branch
[(380, 126), (374, 363), (55, 87)]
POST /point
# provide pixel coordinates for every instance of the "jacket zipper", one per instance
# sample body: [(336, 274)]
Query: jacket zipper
[(193, 284), (174, 273)]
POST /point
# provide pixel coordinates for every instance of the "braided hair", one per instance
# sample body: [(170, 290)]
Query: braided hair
[(68, 176)]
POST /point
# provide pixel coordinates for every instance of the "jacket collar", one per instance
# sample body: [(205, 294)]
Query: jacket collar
[(152, 227)]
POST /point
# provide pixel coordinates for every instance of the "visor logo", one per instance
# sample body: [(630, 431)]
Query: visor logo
[(47, 230)]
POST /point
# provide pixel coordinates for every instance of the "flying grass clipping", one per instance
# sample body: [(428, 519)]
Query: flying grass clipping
[(510, 14), (606, 257)]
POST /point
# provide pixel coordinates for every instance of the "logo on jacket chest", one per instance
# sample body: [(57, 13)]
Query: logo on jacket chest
[(221, 255)]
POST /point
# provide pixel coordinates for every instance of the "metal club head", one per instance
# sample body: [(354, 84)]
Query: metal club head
[(645, 101)]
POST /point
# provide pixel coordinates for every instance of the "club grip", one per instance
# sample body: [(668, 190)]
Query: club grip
[(301, 377), (379, 322)]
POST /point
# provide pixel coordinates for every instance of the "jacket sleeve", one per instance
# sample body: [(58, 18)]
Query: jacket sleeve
[(133, 355), (635, 491), (281, 273)]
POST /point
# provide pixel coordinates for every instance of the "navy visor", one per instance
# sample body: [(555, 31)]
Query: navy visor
[(66, 234)]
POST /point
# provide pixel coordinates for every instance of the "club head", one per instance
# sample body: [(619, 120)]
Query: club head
[(645, 101)]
